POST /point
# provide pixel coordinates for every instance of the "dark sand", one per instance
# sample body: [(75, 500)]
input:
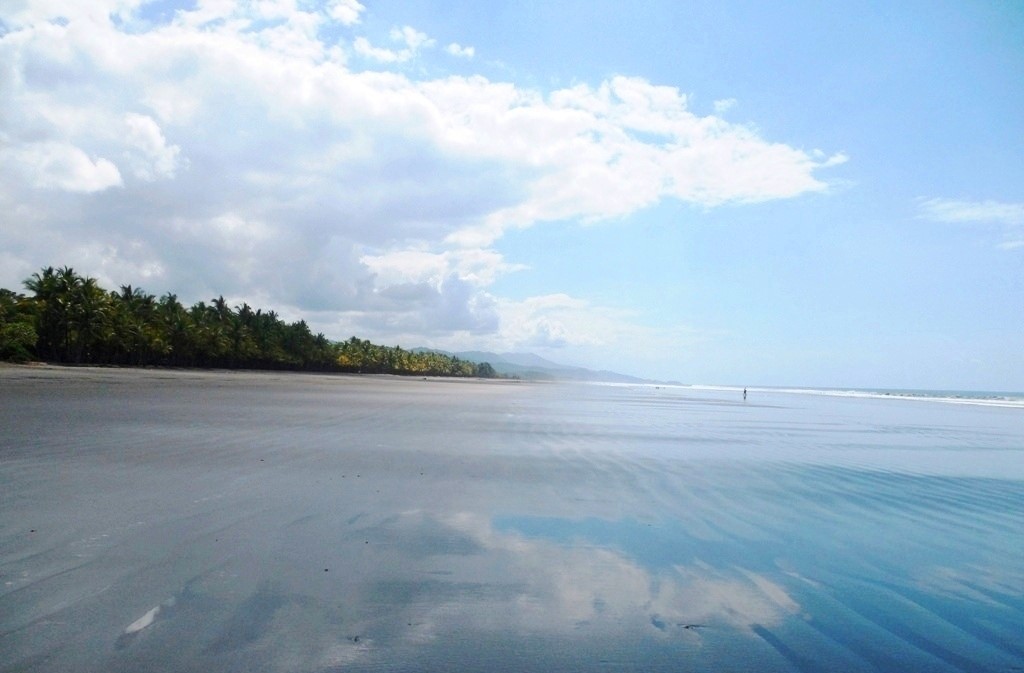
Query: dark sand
[(226, 521)]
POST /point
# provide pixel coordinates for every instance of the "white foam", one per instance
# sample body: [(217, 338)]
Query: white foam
[(144, 621), (976, 399)]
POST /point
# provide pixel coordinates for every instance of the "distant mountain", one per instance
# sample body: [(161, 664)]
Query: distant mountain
[(535, 368)]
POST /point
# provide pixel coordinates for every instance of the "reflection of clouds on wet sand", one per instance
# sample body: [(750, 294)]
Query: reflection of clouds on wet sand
[(457, 590), (594, 590)]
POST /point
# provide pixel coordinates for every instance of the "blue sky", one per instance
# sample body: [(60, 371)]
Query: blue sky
[(724, 192)]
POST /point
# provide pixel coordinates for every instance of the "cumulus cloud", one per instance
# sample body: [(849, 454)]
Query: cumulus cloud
[(607, 151), (480, 267), (346, 12), (151, 156), (411, 39), (456, 49), (367, 50), (227, 148), (557, 320), (55, 165)]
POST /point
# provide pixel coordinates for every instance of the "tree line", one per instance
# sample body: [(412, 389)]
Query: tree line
[(69, 318)]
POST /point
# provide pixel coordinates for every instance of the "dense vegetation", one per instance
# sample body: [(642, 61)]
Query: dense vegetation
[(71, 319)]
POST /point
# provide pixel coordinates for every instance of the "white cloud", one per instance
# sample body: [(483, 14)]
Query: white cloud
[(412, 39), (480, 267), (455, 49), (152, 157), (953, 210), (724, 105), (1010, 216), (346, 12), (55, 165), (20, 13), (608, 151), (364, 48), (836, 159), (170, 102), (576, 331), (555, 321), (274, 9), (245, 149)]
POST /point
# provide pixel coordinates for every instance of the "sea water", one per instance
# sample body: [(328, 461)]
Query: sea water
[(191, 521)]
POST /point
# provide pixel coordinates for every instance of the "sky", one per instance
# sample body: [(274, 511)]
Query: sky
[(723, 192)]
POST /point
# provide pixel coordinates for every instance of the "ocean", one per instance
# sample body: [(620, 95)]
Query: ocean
[(228, 521), (986, 398)]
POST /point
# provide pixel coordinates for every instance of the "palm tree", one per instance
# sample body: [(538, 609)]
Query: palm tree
[(177, 329), (90, 318), (18, 335), (140, 334), (44, 286), (68, 283), (71, 318)]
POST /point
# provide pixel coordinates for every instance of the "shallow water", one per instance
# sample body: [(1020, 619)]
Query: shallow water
[(192, 521)]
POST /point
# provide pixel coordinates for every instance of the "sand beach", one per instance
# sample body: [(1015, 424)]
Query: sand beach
[(247, 521)]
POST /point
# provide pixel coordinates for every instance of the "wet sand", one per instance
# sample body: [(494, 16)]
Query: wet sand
[(197, 521)]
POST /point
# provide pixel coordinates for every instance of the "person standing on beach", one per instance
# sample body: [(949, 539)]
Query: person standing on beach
[(744, 393)]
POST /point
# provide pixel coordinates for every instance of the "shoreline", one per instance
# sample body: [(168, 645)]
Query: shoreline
[(986, 399), (207, 372), (982, 398)]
